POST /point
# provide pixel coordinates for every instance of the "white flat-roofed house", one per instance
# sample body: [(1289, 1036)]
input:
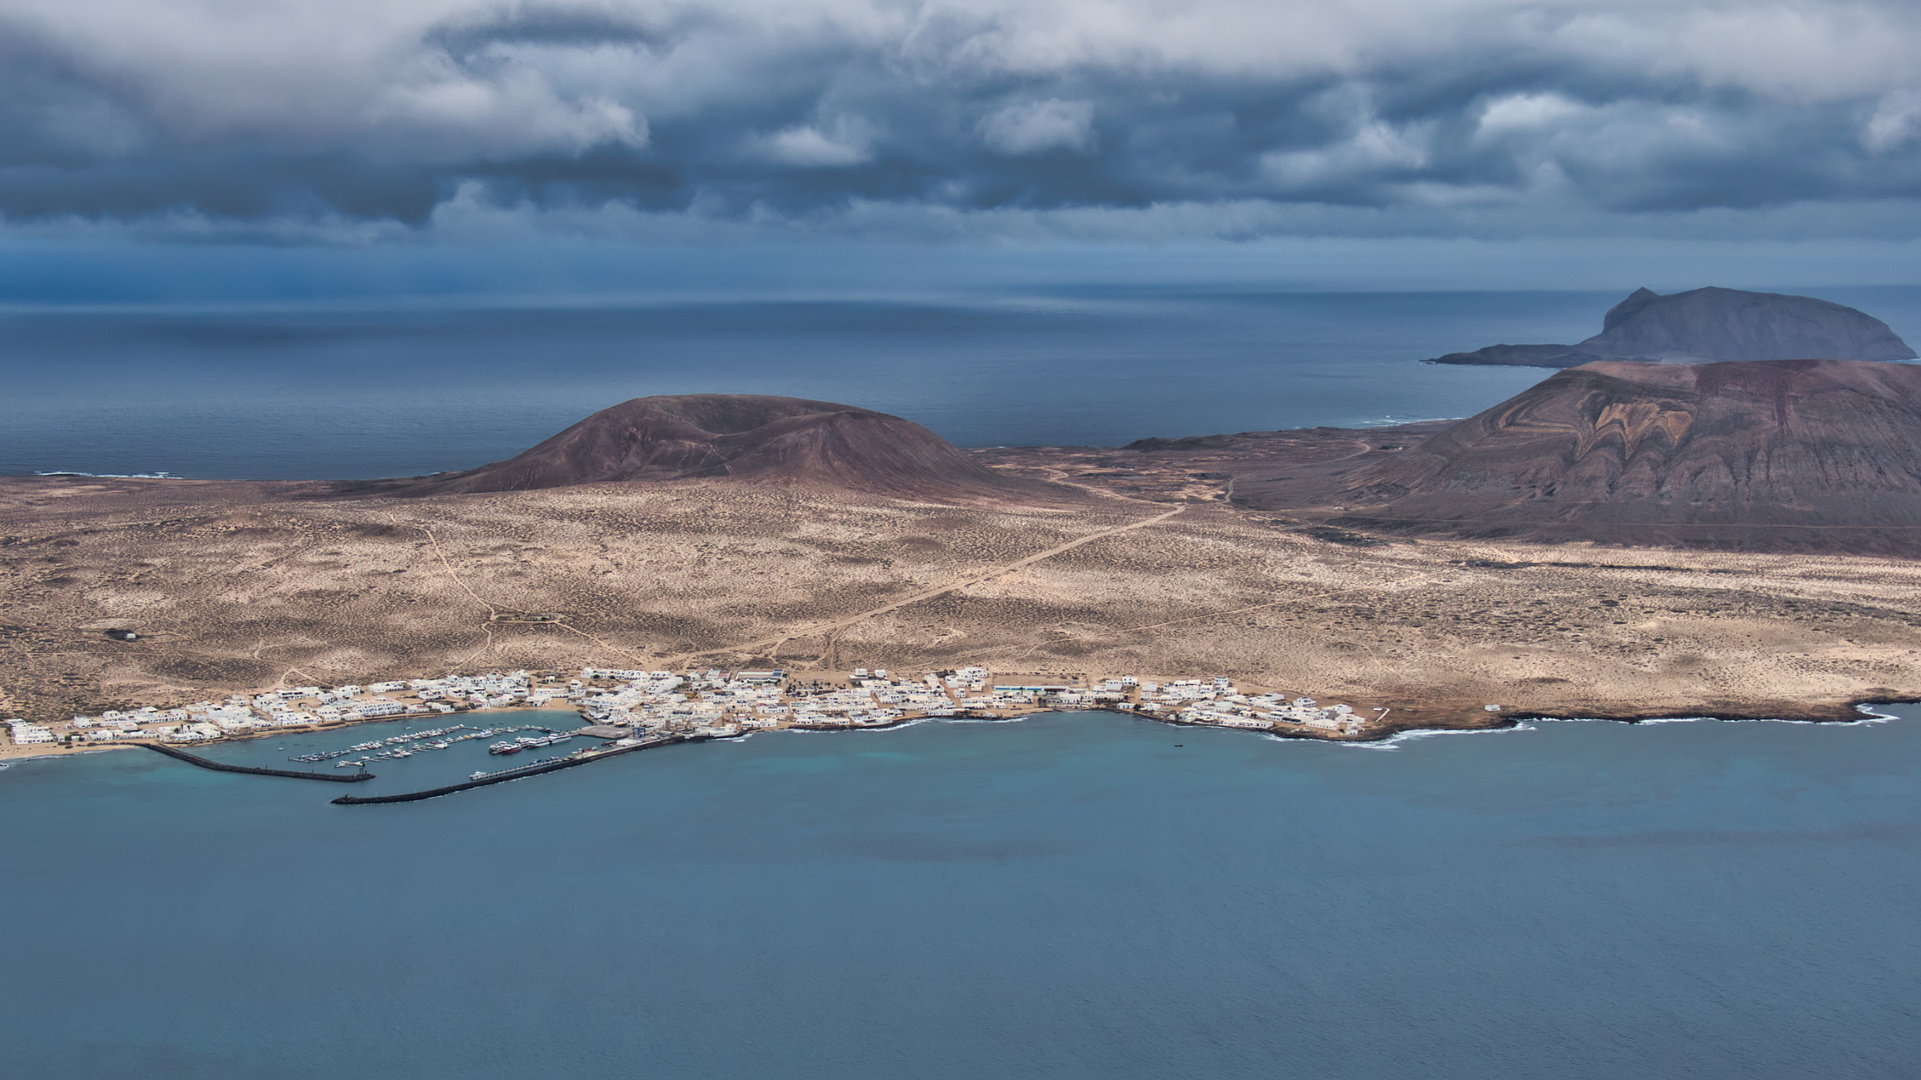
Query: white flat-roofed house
[(25, 734)]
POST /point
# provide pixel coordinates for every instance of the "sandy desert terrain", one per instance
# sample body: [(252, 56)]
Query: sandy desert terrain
[(235, 586)]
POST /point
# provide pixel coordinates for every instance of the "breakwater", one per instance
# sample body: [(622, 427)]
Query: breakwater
[(216, 766), (583, 758)]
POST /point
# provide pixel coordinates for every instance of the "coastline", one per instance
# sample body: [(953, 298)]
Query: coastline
[(13, 758), (624, 747), (1377, 737)]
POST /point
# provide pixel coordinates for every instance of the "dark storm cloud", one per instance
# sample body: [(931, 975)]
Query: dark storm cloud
[(803, 110)]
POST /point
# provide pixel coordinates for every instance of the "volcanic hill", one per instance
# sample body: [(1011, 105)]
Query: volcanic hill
[(1785, 454), (755, 437), (1712, 324)]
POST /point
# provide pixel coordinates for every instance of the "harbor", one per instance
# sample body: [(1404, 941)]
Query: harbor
[(408, 744)]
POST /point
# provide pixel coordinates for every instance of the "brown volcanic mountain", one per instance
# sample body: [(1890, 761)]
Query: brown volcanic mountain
[(780, 439), (1781, 454)]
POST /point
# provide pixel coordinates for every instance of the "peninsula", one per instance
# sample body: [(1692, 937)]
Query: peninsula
[(1711, 324)]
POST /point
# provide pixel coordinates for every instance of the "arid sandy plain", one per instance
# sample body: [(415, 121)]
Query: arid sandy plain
[(236, 586)]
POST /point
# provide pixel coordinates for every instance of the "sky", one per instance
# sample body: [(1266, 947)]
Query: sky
[(161, 150)]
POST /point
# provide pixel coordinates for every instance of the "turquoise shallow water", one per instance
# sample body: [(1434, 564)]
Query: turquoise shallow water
[(1069, 896)]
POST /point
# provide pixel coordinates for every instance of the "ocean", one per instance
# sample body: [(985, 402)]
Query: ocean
[(340, 393), (1073, 895)]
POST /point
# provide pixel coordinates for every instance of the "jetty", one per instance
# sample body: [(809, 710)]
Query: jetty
[(216, 766)]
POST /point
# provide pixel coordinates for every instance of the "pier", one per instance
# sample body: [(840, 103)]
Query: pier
[(196, 759)]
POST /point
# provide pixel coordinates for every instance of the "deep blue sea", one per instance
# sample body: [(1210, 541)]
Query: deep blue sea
[(299, 393), (1069, 896)]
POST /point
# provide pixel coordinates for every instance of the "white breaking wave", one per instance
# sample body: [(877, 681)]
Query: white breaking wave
[(1394, 741)]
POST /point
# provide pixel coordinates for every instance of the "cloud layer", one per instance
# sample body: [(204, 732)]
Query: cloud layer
[(1484, 116)]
